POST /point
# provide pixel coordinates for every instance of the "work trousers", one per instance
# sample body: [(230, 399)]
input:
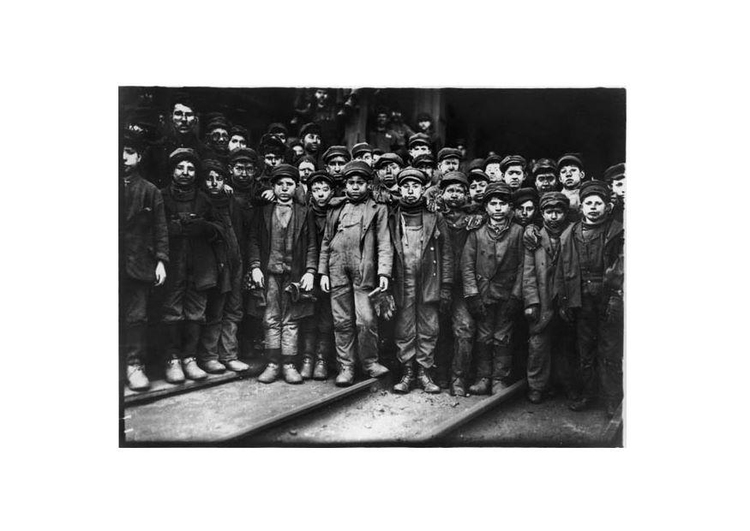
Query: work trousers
[(316, 331), (552, 357), (353, 314), (494, 338), (183, 302), (223, 315), (133, 320), (416, 328), (281, 330)]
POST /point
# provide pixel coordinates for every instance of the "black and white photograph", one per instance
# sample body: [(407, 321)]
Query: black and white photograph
[(323, 266)]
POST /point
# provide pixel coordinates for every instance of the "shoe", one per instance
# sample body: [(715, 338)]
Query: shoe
[(270, 374), (136, 376), (407, 378), (580, 404), (480, 387), (321, 370), (423, 377), (192, 371), (535, 397), (306, 371), (291, 375), (457, 387), (376, 370), (173, 372), (212, 366), (236, 365), (345, 377), (499, 384)]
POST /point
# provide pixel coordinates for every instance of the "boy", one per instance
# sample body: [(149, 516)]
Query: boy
[(571, 175), (317, 330), (545, 326), (356, 257), (422, 278), (492, 168), (238, 138), (363, 151), (218, 346), (334, 159), (590, 280), (525, 201), (193, 268), (513, 168), (544, 172), (478, 182), (144, 251), (492, 270), (385, 189), (449, 159), (283, 251), (418, 144), (615, 177)]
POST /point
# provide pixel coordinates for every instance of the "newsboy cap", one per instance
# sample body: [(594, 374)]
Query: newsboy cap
[(512, 160), (389, 157), (246, 154), (359, 149), (285, 170), (594, 188), (357, 167), (310, 128), (554, 198), (453, 177), (419, 138), (214, 165), (424, 158), (321, 175), (615, 172), (477, 175), (336, 151), (522, 195), (543, 166), (497, 189), (411, 174), (492, 159), (448, 153), (180, 154), (570, 158)]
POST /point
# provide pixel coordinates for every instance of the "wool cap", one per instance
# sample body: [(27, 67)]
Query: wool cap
[(285, 170), (478, 175), (497, 189), (238, 130), (492, 159), (309, 129), (419, 138), (361, 148), (554, 198), (615, 172), (476, 165), (512, 160), (448, 153), (543, 166), (277, 127), (218, 122), (336, 151), (570, 158), (272, 144), (522, 195), (321, 175), (244, 154), (357, 167), (411, 174), (424, 158), (134, 140), (214, 165), (389, 157), (453, 177), (594, 188), (180, 154)]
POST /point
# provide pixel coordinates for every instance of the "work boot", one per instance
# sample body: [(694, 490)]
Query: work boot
[(306, 371), (136, 376), (375, 370), (270, 374), (458, 387), (321, 369), (173, 371), (212, 366), (423, 377), (407, 378), (346, 376), (481, 387), (192, 371), (236, 365), (291, 375), (581, 404), (535, 397), (500, 384)]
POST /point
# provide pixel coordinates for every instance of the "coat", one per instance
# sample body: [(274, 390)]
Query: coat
[(437, 257), (568, 281), (143, 230), (304, 250), (539, 268), (494, 277), (375, 243)]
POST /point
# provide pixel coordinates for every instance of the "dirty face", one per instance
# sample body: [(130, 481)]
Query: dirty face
[(243, 172), (476, 190), (283, 189), (183, 118), (356, 186), (214, 182), (321, 193), (594, 208), (411, 191), (545, 182), (571, 176), (454, 195), (525, 212), (498, 209), (513, 176)]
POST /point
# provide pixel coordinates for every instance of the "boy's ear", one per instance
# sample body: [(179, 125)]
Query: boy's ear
[(583, 175)]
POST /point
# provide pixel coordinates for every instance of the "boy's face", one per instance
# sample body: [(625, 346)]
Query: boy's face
[(183, 173), (283, 189), (545, 182), (411, 191), (219, 137), (424, 125), (311, 142), (618, 187), (305, 169), (321, 96), (375, 158), (382, 120), (525, 212), (298, 150), (450, 164), (571, 176), (427, 170), (356, 186), (214, 182), (183, 118), (553, 216), (454, 195), (130, 159), (271, 160), (389, 172), (493, 171), (281, 135), (513, 176), (418, 149), (476, 189), (237, 142), (321, 193), (365, 157), (243, 172), (593, 208), (336, 165), (497, 208)]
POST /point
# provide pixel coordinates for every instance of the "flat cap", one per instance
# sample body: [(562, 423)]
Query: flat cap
[(492, 159), (243, 154), (377, 151), (453, 177), (336, 151), (424, 117), (310, 128), (134, 140), (615, 172), (214, 165), (180, 154), (278, 127), (476, 165), (411, 174), (512, 160), (424, 158), (448, 153), (284, 170), (543, 166), (389, 157), (218, 122), (478, 175), (570, 158), (594, 188), (522, 195), (497, 189), (362, 147), (357, 167), (419, 138), (554, 198), (321, 175), (271, 144), (239, 131)]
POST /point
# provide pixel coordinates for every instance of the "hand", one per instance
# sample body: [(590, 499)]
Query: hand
[(532, 313), (228, 189), (161, 273), (325, 284), (383, 283), (257, 276), (531, 238), (307, 282), (476, 307), (267, 195)]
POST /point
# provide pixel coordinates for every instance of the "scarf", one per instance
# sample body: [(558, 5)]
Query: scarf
[(182, 194), (357, 200), (497, 231)]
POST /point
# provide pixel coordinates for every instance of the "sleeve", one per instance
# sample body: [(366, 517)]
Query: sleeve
[(325, 246), (311, 265), (384, 245), (520, 250), (253, 252), (160, 230), (530, 286), (468, 266), (447, 252)]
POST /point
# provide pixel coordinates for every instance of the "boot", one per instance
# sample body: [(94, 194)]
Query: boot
[(173, 372), (306, 371), (192, 371), (483, 383), (291, 375), (212, 366), (236, 365), (375, 370), (481, 387), (346, 376), (270, 374), (423, 377), (407, 378), (458, 387), (136, 376), (321, 369)]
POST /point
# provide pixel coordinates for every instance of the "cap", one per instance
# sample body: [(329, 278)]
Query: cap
[(239, 131), (424, 117), (512, 160), (285, 170), (362, 147), (419, 138), (453, 177), (389, 157), (615, 172), (411, 174), (306, 158), (309, 128), (492, 159), (320, 175), (497, 189), (522, 195), (570, 158), (134, 140), (271, 144), (594, 188), (357, 167), (243, 154), (448, 153), (218, 122), (477, 175), (180, 154), (543, 166), (424, 158), (214, 165), (336, 151), (277, 127), (554, 198), (476, 164), (377, 151)]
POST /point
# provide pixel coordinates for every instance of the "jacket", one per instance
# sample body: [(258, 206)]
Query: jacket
[(437, 257), (539, 268)]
